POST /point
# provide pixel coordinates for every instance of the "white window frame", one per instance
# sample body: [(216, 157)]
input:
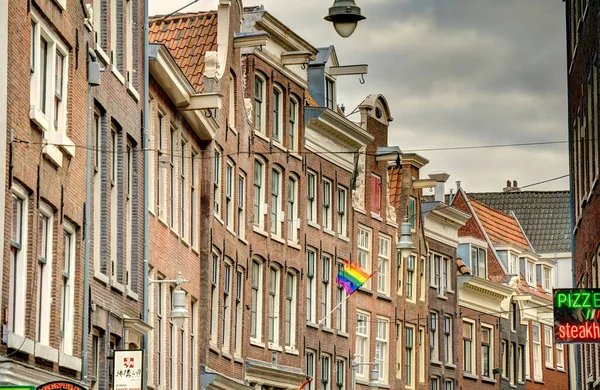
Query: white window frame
[(325, 371), (193, 199), (530, 272), (291, 310), (342, 211), (182, 188), (411, 290), (527, 357), (490, 345), (399, 350), (361, 354), (44, 278), (256, 303), (547, 279), (326, 281), (330, 93), (241, 206), (311, 367), (293, 120), (214, 297), (383, 265), (129, 42), (68, 288), (99, 162), (277, 105), (193, 348), (472, 360), (239, 312), (537, 352), (382, 345), (548, 348), (259, 189), (478, 271), (292, 210), (340, 373), (312, 196), (434, 338), (228, 271), (327, 204), (409, 357), (217, 173), (341, 312), (19, 264), (232, 100), (229, 195), (273, 309), (129, 218), (172, 174), (311, 286), (448, 340), (364, 245), (114, 209), (560, 357), (275, 201), (260, 104)]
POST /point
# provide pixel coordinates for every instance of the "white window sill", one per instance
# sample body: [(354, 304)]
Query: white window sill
[(294, 244), (442, 297), (116, 285), (277, 238), (46, 353), (450, 365), (295, 155), (470, 376), (101, 277), (292, 351), (342, 334), (226, 354), (538, 380), (53, 154), (213, 347), (278, 145), (314, 224), (312, 324), (218, 218), (61, 3), (260, 134), (133, 92), (260, 231), (70, 362), (376, 216), (238, 359), (343, 238), (62, 139), (327, 231), (39, 118), (132, 295), (327, 329), (22, 343), (101, 53), (488, 380), (117, 74), (275, 347), (257, 343), (243, 241)]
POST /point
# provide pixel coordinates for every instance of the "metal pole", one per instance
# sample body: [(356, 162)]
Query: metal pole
[(146, 146)]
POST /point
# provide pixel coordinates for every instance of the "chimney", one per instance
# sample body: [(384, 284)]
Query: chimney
[(508, 188), (440, 189), (515, 184)]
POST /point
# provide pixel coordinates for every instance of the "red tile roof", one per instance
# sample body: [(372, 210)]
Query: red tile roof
[(188, 37), (395, 185), (501, 228), (310, 101)]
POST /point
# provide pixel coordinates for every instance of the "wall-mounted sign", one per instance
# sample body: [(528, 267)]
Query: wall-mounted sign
[(577, 315), (16, 387), (128, 369), (60, 385)]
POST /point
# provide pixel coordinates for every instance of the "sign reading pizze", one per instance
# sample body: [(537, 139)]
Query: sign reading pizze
[(129, 369), (577, 315)]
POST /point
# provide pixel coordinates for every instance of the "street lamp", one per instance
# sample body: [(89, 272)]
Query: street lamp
[(345, 15), (373, 375), (179, 312), (405, 245)]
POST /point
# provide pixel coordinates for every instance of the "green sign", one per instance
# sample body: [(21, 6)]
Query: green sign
[(577, 315), (16, 387)]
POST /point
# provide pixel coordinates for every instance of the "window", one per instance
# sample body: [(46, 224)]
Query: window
[(171, 348), (434, 350), (548, 353), (376, 194), (95, 360), (340, 374), (513, 264), (259, 193), (275, 202), (160, 197), (340, 319), (560, 356), (547, 279), (410, 273), (446, 272), (217, 181), (241, 217), (160, 320), (49, 79), (214, 305), (310, 368), (449, 384), (512, 364), (381, 348), (99, 261), (226, 326), (256, 302), (114, 205), (422, 278), (277, 114), (68, 290), (487, 356), (448, 342), (44, 273), (399, 273), (409, 356), (422, 354), (325, 372), (181, 347), (193, 200), (364, 252), (193, 347), (361, 354), (129, 41), (514, 311), (412, 212), (290, 311), (342, 219), (468, 355), (229, 191), (292, 209), (383, 266), (98, 21), (435, 383), (329, 93), (259, 96), (274, 306), (478, 262), (293, 129), (172, 152), (399, 350), (311, 287), (18, 261), (232, 99), (537, 352), (129, 277), (312, 197), (239, 312), (531, 273), (116, 41), (327, 221), (521, 378), (326, 291), (527, 366)]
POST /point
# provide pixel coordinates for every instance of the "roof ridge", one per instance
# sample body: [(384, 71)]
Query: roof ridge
[(185, 15), (490, 207)]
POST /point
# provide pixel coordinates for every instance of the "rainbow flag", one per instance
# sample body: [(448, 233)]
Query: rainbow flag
[(352, 277)]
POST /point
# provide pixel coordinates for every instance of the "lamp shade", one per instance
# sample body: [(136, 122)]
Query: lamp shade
[(344, 14), (405, 246), (178, 311)]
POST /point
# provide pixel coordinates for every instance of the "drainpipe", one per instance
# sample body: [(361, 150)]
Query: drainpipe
[(145, 144)]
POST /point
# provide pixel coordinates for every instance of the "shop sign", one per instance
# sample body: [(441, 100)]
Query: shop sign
[(60, 385), (129, 369), (577, 315)]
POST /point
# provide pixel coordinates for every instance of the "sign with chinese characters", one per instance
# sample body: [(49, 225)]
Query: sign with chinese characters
[(58, 385), (129, 369), (577, 315)]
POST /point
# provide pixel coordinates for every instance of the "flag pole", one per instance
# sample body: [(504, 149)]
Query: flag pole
[(342, 301)]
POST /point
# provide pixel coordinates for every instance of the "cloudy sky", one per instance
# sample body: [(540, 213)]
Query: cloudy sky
[(456, 73)]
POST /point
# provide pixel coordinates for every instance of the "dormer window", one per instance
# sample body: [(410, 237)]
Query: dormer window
[(547, 279), (530, 272), (510, 260), (474, 256), (329, 93)]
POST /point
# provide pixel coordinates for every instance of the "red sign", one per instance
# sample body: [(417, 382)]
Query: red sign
[(60, 385)]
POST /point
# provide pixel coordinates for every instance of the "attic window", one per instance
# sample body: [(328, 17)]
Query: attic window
[(329, 93)]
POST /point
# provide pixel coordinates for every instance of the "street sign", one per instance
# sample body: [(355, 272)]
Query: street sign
[(128, 369), (577, 315)]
